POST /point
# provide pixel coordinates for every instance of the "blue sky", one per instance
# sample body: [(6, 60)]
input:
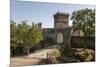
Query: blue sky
[(41, 12)]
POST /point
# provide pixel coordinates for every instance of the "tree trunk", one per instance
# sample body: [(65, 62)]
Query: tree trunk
[(28, 51)]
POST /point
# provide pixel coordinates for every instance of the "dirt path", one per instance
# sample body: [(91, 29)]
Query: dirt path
[(31, 59)]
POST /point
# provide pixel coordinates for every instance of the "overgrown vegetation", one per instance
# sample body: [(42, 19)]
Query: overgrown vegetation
[(24, 37), (84, 20)]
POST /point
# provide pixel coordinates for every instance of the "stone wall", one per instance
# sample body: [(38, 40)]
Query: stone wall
[(51, 34), (81, 41), (50, 38)]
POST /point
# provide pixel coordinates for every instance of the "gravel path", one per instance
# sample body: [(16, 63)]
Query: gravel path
[(31, 59)]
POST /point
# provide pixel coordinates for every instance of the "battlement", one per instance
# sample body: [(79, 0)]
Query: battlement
[(58, 14)]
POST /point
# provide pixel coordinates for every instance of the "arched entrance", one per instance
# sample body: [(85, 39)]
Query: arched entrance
[(59, 38)]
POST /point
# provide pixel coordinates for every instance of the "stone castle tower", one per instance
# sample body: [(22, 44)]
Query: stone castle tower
[(60, 34), (61, 20)]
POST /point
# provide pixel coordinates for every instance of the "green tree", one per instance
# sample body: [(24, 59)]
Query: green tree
[(84, 20), (21, 34), (13, 40), (24, 36), (32, 37)]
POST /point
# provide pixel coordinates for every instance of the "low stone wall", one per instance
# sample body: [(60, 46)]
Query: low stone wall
[(81, 41)]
